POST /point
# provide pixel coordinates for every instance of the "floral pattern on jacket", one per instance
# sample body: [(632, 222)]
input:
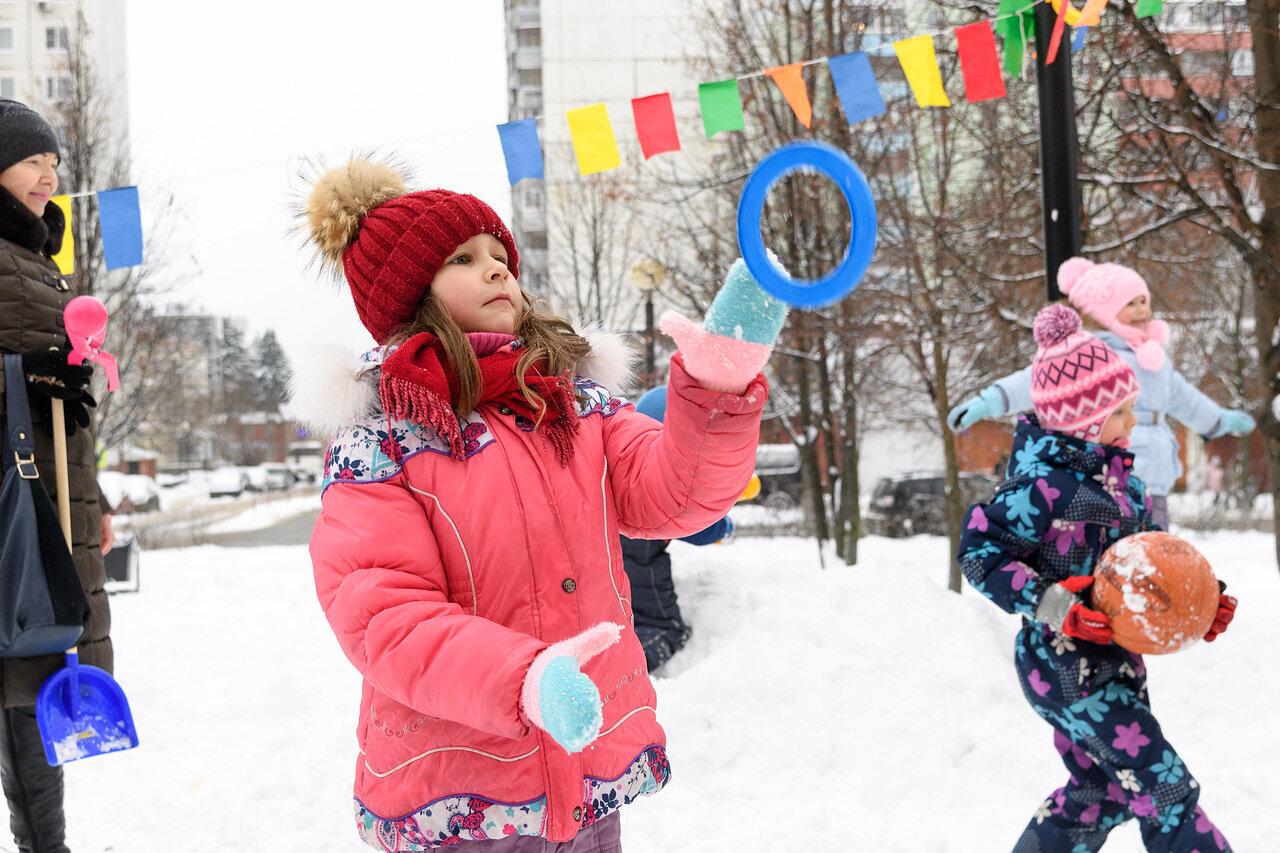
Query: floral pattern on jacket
[(375, 449), (456, 820), (1065, 501)]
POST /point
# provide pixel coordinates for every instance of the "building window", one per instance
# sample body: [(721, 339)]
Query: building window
[(8, 87), (55, 38), (57, 89), (1242, 63), (6, 39), (530, 76), (535, 239), (529, 38)]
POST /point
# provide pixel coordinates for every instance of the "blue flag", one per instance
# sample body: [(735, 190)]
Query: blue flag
[(121, 222), (856, 86), (521, 148)]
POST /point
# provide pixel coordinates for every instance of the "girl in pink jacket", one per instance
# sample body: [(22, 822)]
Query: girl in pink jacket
[(467, 553)]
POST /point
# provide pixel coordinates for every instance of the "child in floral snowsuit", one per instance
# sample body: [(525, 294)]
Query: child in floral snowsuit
[(1069, 496)]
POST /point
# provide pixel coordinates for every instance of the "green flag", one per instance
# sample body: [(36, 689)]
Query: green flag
[(1015, 30), (1149, 8), (721, 107)]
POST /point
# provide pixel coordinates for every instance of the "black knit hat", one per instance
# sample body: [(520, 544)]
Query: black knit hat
[(23, 133)]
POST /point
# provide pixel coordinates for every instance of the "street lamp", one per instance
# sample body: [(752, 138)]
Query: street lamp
[(648, 275)]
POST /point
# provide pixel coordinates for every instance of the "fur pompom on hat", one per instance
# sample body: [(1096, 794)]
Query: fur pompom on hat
[(390, 243), (1077, 381)]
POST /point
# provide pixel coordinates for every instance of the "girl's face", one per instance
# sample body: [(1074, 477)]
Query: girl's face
[(1117, 427), (476, 288), (1137, 313), (32, 181)]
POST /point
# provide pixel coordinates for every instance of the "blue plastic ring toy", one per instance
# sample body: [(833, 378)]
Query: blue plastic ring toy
[(837, 166)]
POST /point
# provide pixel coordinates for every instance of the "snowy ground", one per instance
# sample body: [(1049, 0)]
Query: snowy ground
[(861, 708)]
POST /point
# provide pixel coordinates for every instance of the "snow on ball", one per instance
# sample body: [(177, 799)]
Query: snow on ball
[(1159, 591)]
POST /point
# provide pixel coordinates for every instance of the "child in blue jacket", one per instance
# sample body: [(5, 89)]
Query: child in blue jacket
[(1118, 301), (654, 604), (1070, 495)]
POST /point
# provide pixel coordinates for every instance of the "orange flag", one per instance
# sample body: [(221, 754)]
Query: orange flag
[(791, 84)]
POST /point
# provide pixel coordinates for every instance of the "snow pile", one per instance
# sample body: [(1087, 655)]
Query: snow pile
[(860, 708)]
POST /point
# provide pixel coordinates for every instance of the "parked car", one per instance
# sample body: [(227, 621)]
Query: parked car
[(227, 482), (778, 467), (256, 477), (129, 493), (278, 476), (306, 458), (169, 479), (915, 502)]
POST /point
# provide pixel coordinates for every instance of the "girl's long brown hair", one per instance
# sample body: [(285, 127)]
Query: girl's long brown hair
[(549, 342)]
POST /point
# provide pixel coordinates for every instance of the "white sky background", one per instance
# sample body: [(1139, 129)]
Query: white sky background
[(224, 105)]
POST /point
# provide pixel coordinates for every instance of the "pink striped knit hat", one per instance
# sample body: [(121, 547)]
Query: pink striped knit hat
[(1077, 381)]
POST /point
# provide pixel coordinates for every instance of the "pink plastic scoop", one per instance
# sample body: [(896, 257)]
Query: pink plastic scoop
[(86, 324)]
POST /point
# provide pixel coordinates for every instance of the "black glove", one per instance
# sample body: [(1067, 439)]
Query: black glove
[(75, 413), (49, 375)]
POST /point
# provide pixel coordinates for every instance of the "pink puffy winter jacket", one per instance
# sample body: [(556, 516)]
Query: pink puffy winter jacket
[(442, 579)]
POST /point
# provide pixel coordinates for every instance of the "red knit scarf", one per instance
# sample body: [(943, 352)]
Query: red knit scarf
[(419, 383)]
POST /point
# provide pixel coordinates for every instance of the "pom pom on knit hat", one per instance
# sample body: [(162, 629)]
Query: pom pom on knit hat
[(1055, 324), (388, 243), (341, 199), (1071, 271), (1077, 381)]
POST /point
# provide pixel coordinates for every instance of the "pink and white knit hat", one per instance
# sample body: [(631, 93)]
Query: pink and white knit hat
[(1102, 291), (1077, 381)]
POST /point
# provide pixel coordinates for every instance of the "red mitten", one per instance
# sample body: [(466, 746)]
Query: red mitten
[(1226, 612), (1063, 608)]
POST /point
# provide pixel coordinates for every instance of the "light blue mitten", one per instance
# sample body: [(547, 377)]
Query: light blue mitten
[(988, 404), (732, 345), (1235, 422), (558, 698)]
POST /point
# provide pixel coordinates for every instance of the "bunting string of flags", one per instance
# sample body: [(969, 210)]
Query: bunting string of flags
[(720, 102), (120, 224)]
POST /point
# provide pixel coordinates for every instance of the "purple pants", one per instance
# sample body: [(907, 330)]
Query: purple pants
[(603, 836), (1160, 511)]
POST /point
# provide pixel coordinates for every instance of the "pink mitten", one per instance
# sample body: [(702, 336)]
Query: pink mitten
[(732, 345)]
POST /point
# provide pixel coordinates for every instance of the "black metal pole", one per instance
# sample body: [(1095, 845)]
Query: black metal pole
[(649, 367), (1060, 189)]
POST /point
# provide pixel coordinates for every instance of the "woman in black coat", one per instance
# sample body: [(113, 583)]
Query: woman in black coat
[(32, 296)]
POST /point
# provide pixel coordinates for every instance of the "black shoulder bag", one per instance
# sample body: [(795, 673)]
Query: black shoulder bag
[(43, 609)]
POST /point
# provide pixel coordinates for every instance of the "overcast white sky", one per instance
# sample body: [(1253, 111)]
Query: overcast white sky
[(225, 99)]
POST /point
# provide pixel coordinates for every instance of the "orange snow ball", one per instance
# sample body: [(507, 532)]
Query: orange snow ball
[(1159, 591)]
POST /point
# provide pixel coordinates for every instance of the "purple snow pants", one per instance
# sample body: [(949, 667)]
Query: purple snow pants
[(1160, 511), (603, 836)]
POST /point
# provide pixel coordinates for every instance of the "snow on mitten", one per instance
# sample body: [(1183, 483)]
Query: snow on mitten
[(731, 346), (558, 698)]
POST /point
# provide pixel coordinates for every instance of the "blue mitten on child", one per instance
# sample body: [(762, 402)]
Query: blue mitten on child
[(558, 698), (732, 345)]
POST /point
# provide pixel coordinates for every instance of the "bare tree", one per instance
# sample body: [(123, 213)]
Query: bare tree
[(96, 158)]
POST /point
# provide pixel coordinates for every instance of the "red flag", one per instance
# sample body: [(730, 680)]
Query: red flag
[(1056, 39), (655, 124), (979, 62)]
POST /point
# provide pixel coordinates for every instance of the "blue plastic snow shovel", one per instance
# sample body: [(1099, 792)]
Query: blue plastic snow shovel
[(82, 712)]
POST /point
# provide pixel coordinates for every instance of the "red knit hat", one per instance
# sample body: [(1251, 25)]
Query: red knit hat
[(389, 243), (1077, 381)]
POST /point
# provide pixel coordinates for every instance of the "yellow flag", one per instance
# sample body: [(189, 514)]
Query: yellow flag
[(593, 139), (66, 257), (920, 64)]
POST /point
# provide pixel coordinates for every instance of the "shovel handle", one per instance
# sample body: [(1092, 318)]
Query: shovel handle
[(60, 469)]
